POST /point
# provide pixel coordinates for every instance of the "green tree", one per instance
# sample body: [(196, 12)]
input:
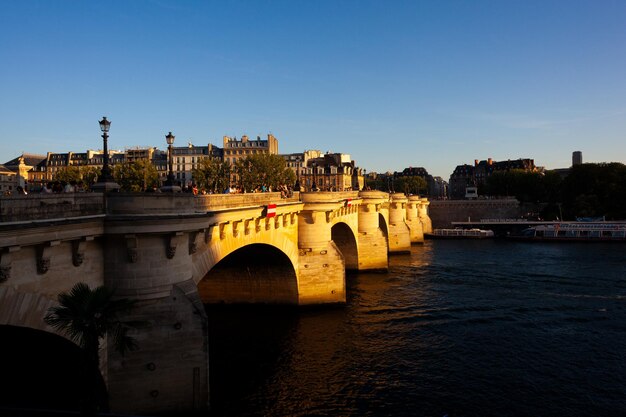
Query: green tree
[(595, 190), (136, 176), (89, 174), (523, 185), (411, 185), (86, 316), (263, 169), (86, 174), (381, 183), (67, 174), (212, 174)]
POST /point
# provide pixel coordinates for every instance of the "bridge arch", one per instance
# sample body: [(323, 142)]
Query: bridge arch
[(345, 239), (24, 309), (42, 370), (254, 273), (218, 248)]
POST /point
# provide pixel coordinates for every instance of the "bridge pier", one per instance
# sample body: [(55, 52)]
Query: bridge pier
[(373, 253), (416, 230), (399, 232), (321, 272), (422, 212), (169, 371)]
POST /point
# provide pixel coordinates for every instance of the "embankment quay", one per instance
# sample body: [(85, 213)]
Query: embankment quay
[(175, 253), (444, 212)]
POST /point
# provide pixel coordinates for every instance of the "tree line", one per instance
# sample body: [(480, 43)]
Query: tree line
[(211, 174), (408, 185), (588, 190)]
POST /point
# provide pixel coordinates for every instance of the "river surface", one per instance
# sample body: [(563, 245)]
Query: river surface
[(455, 328)]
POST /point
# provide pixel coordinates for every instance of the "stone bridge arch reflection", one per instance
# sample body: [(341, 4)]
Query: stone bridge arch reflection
[(256, 273)]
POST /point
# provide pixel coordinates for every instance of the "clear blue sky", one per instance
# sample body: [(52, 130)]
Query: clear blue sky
[(393, 83)]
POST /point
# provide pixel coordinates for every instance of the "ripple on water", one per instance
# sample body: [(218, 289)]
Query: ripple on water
[(455, 328)]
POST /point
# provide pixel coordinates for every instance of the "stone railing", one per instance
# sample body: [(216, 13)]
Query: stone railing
[(204, 203), (150, 203), (328, 196), (31, 207), (49, 206)]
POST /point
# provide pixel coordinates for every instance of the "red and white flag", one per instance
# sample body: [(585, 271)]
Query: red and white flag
[(348, 202), (271, 210)]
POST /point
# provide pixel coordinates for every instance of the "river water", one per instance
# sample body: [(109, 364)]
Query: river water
[(455, 328)]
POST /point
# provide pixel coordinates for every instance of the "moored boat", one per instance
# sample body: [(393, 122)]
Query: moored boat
[(575, 231), (459, 233)]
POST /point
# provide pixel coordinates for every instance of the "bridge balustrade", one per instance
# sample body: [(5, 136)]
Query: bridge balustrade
[(42, 207), (20, 208)]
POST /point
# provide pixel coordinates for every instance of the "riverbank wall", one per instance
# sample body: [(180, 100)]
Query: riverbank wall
[(444, 212)]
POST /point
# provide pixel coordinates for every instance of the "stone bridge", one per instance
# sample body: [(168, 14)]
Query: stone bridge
[(175, 253)]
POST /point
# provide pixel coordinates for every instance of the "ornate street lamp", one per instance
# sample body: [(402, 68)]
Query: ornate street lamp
[(169, 186), (105, 125), (105, 180)]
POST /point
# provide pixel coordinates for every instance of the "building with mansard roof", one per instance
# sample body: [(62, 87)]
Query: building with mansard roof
[(8, 180), (476, 175), (331, 172), (21, 165)]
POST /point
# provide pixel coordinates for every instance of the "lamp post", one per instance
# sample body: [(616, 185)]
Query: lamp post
[(314, 185), (169, 186), (105, 125), (296, 186), (105, 180), (364, 179)]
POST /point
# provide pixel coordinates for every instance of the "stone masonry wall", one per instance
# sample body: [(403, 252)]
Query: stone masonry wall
[(444, 212)]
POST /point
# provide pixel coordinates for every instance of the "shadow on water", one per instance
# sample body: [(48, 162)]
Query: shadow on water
[(246, 345)]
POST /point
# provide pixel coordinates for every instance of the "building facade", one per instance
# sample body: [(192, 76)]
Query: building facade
[(331, 172), (418, 172), (298, 162), (8, 180), (187, 158), (235, 149), (22, 165), (313, 169)]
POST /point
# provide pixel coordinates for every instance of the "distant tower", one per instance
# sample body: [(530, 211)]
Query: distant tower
[(577, 158)]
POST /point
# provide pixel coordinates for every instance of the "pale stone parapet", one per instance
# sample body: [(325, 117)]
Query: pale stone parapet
[(19, 208)]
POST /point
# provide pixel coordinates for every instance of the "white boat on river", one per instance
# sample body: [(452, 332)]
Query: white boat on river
[(575, 231), (459, 233)]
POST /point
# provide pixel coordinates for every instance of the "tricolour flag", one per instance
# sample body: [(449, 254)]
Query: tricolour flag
[(348, 202), (271, 210)]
